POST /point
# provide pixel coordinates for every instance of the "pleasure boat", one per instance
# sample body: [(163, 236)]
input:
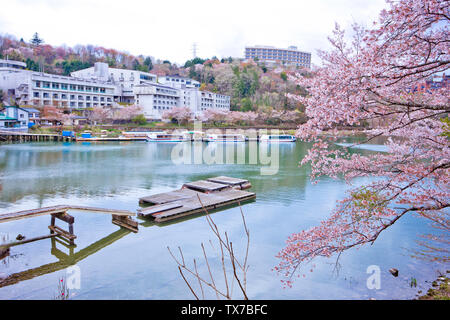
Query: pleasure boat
[(225, 138), (277, 138), (167, 137)]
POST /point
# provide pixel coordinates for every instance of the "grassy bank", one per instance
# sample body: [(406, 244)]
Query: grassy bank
[(440, 289)]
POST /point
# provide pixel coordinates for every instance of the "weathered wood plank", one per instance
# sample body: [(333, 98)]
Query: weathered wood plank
[(160, 208), (166, 197), (227, 180), (16, 243), (205, 186), (58, 209), (62, 232)]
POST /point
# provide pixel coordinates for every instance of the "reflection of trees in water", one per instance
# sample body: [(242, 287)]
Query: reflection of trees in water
[(78, 171), (434, 247), (42, 170)]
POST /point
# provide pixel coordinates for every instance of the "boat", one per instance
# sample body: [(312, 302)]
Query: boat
[(277, 138), (225, 138), (167, 137), (139, 134), (194, 135)]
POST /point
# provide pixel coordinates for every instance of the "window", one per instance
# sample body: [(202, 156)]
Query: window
[(36, 94)]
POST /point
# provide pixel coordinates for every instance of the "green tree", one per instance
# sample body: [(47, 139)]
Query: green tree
[(73, 65), (148, 62), (36, 41), (246, 104), (140, 120), (32, 65)]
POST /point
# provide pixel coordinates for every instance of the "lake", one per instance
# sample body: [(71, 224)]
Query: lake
[(116, 264)]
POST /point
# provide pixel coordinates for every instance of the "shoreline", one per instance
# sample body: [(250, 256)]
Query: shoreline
[(439, 290)]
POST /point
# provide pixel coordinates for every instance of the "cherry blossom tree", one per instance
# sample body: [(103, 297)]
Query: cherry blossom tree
[(215, 115), (180, 114), (371, 81), (100, 114), (127, 113)]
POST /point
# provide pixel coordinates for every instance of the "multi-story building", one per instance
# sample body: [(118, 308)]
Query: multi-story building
[(155, 99), (178, 82), (43, 89), (123, 79), (290, 56), (101, 86)]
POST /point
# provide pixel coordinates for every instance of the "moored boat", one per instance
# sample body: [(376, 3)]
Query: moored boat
[(225, 138), (167, 137), (277, 138)]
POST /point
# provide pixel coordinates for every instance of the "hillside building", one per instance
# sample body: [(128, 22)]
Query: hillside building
[(269, 54)]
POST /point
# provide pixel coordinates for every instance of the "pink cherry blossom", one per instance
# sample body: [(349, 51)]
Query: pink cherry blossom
[(369, 82)]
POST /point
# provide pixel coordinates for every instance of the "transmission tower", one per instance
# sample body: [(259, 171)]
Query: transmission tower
[(194, 50)]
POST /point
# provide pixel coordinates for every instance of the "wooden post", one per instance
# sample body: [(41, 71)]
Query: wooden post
[(61, 232), (52, 223)]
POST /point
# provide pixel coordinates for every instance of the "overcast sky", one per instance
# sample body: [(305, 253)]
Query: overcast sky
[(167, 29)]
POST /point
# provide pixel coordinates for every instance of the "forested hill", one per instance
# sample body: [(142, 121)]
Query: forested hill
[(251, 85)]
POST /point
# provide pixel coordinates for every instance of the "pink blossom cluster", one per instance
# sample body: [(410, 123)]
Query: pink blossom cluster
[(368, 82)]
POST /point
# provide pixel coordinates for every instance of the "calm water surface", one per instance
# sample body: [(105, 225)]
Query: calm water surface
[(116, 264)]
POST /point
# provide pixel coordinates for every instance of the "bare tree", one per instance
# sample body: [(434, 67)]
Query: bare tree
[(233, 269)]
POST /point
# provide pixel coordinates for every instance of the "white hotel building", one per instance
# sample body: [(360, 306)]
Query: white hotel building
[(101, 86), (43, 89)]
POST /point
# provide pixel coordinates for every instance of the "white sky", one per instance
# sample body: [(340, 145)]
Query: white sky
[(167, 29)]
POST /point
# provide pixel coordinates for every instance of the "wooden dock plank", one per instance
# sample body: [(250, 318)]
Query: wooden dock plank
[(160, 207), (205, 186), (228, 180), (58, 209), (212, 194), (209, 201), (166, 197)]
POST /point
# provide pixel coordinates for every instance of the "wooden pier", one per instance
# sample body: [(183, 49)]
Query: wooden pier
[(119, 217), (193, 197), (196, 197), (106, 139), (15, 136)]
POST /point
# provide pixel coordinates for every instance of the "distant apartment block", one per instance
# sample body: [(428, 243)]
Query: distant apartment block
[(290, 56)]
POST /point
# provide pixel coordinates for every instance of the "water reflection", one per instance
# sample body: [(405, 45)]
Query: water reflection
[(64, 259), (116, 175)]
